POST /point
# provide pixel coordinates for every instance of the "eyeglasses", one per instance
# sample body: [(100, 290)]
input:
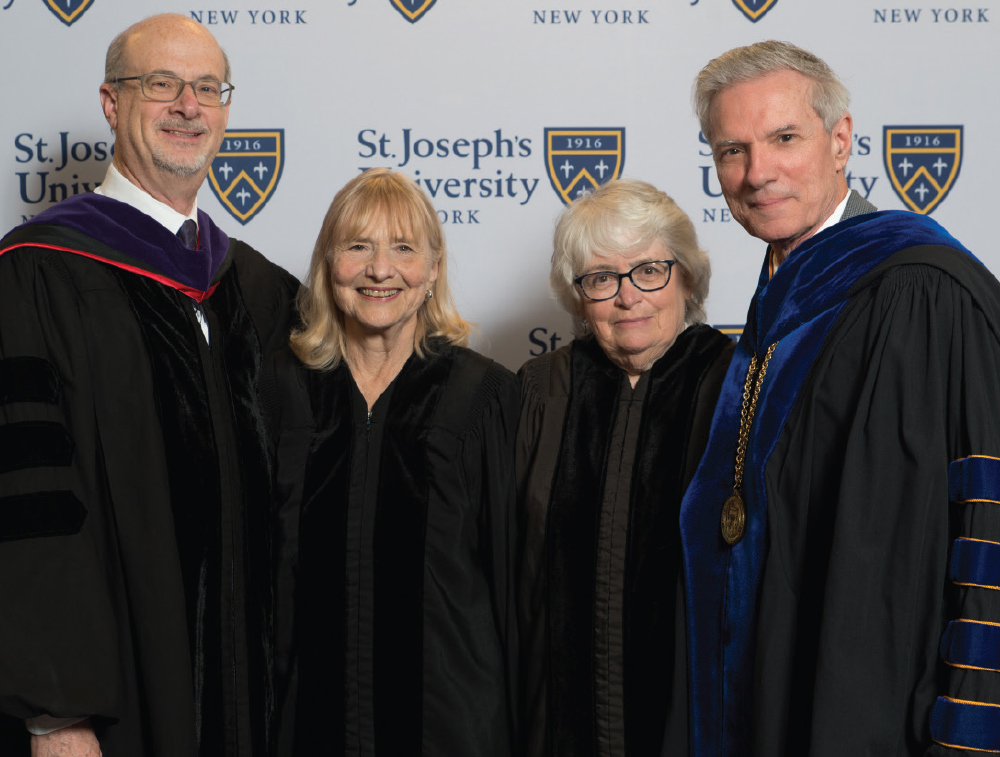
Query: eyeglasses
[(646, 277), (165, 88)]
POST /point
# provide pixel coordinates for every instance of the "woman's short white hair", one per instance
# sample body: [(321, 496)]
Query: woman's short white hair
[(626, 216)]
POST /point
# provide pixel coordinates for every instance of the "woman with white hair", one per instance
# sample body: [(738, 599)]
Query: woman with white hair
[(612, 427)]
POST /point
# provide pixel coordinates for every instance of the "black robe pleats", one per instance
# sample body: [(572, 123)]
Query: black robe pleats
[(858, 613), (135, 536), (403, 613), (601, 471)]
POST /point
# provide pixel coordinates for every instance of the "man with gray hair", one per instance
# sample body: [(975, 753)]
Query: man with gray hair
[(842, 534), (134, 486)]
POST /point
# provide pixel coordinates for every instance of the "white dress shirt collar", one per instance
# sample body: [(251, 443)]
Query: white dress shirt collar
[(117, 187), (836, 215)]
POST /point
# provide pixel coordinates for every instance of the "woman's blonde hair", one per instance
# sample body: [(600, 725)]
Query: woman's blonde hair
[(376, 197)]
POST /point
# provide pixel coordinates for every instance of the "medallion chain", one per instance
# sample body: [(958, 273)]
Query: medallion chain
[(734, 509)]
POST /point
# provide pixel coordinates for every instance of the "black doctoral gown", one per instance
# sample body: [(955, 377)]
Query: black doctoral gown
[(859, 614), (601, 469), (402, 522), (134, 495)]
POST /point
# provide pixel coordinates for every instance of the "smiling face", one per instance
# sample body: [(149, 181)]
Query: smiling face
[(380, 279), (166, 148), (635, 328), (780, 171)]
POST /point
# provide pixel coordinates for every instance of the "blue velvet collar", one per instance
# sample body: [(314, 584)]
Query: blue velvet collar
[(796, 308), (145, 246), (823, 269)]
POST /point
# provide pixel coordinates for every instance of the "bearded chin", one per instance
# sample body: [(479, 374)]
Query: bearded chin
[(182, 168)]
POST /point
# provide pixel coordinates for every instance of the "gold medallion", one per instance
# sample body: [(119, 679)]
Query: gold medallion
[(734, 519)]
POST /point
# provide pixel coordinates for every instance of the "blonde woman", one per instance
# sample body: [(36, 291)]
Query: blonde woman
[(395, 470)]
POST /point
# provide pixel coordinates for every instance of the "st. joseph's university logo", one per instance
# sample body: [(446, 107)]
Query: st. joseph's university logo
[(754, 9), (412, 10), (923, 163), (247, 169), (68, 11), (580, 160)]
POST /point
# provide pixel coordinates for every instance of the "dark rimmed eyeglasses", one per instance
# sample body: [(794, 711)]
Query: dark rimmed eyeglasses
[(646, 277), (165, 88)]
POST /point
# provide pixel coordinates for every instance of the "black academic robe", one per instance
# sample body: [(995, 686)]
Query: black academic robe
[(134, 491), (403, 606), (858, 614), (601, 469)]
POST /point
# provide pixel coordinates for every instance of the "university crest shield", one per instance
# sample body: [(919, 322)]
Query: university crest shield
[(247, 169), (68, 11), (733, 330), (754, 9), (923, 163), (580, 160), (412, 10)]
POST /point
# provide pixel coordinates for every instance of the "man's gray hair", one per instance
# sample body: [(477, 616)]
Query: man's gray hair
[(116, 63), (830, 97)]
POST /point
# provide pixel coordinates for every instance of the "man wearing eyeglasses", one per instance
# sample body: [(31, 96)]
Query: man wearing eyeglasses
[(842, 533), (134, 485)]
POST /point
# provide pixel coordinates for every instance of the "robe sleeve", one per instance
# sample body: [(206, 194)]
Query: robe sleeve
[(269, 292), (57, 556), (898, 489), (489, 459), (539, 439), (966, 714), (291, 427), (544, 396), (528, 426)]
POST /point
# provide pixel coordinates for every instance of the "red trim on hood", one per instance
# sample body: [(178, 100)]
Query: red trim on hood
[(195, 294)]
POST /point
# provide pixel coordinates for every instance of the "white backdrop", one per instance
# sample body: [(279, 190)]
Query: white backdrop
[(459, 94)]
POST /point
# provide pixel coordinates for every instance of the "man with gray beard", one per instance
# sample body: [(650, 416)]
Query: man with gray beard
[(134, 484)]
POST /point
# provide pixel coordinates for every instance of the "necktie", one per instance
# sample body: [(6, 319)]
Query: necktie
[(188, 234)]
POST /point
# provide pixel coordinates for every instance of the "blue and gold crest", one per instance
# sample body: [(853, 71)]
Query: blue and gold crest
[(733, 330), (580, 160), (68, 11), (412, 10), (247, 169), (923, 163), (754, 9)]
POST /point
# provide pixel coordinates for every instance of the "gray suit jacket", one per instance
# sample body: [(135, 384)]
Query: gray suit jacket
[(856, 206)]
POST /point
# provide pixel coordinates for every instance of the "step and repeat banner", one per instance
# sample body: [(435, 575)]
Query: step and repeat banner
[(505, 110)]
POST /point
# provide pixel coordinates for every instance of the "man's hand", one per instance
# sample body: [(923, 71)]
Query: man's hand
[(72, 741)]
